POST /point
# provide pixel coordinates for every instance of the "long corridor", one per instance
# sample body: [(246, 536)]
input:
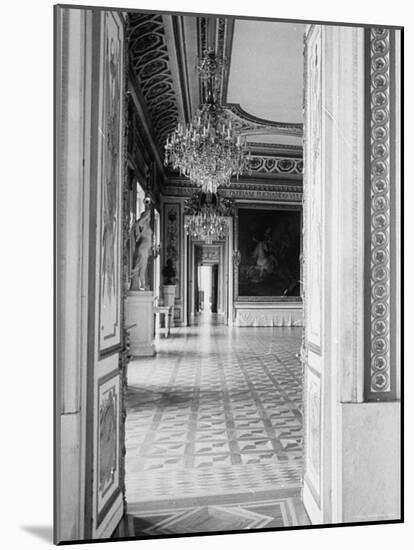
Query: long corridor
[(214, 432)]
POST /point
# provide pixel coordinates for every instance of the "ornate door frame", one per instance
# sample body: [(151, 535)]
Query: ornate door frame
[(351, 262)]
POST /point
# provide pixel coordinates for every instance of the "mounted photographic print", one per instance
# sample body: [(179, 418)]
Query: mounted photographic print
[(228, 274)]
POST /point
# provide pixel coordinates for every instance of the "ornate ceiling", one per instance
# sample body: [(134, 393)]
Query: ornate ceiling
[(262, 90), (150, 61)]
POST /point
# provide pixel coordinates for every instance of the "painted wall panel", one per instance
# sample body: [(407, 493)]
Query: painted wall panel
[(109, 175), (105, 458)]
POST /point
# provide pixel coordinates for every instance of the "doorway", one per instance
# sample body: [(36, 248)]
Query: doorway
[(207, 288)]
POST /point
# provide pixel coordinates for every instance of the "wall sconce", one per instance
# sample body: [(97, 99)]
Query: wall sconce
[(236, 257)]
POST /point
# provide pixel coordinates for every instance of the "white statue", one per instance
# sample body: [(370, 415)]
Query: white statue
[(143, 247)]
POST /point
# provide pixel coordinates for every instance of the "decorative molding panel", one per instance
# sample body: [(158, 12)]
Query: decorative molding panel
[(312, 189), (379, 132), (313, 429), (208, 254), (312, 263), (271, 165)]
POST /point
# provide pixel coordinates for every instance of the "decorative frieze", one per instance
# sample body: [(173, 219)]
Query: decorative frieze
[(261, 164), (380, 367), (208, 254), (242, 194), (249, 190)]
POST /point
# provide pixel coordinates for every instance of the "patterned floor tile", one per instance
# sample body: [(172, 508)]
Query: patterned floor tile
[(217, 411), (229, 514)]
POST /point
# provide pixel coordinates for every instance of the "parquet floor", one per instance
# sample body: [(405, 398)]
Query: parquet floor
[(214, 431)]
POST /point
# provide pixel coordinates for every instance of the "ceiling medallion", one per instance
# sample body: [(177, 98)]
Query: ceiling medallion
[(208, 150), (205, 217)]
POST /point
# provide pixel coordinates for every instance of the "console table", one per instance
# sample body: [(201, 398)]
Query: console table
[(167, 312)]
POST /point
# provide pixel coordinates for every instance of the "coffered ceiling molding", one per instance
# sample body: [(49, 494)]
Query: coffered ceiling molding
[(151, 64)]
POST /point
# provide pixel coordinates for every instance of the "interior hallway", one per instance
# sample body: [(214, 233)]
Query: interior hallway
[(214, 431)]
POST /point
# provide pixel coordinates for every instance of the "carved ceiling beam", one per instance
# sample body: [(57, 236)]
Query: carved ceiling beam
[(151, 64)]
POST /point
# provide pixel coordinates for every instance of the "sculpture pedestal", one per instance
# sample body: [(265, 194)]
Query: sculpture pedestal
[(139, 316)]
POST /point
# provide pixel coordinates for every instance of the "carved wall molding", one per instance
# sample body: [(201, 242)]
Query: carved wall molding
[(151, 65), (267, 165), (272, 194), (379, 264), (208, 254), (262, 164), (276, 148), (312, 264), (257, 194)]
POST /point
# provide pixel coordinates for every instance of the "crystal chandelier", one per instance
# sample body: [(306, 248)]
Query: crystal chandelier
[(208, 150), (205, 217)]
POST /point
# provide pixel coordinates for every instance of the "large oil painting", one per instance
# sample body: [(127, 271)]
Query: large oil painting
[(269, 247)]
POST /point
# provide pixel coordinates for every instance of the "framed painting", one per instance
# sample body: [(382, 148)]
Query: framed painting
[(108, 445), (268, 241)]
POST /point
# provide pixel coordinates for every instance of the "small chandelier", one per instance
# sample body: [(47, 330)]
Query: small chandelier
[(205, 217), (208, 150)]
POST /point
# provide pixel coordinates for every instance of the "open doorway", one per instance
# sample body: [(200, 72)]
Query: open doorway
[(207, 284)]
